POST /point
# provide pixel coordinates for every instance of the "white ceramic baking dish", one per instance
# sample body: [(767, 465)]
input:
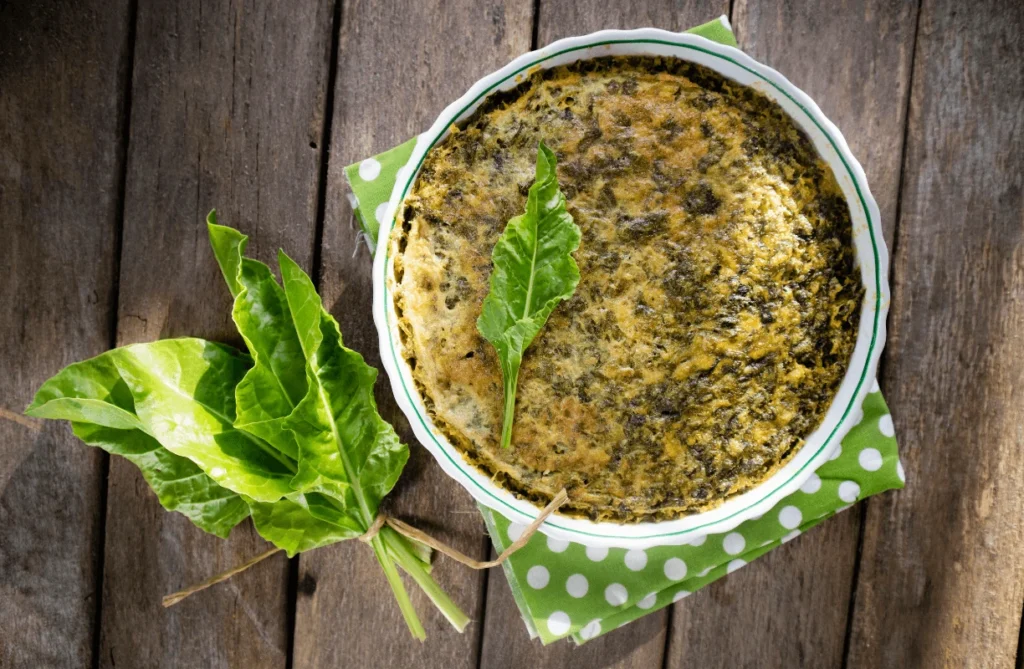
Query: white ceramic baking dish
[(871, 253)]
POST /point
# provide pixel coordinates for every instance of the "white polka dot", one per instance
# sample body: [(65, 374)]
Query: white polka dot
[(636, 559), (381, 212), (899, 472), (885, 425), (874, 386), (812, 484), (515, 530), (849, 491), (557, 545), (870, 459), (682, 594), (705, 572), (843, 508), (597, 553), (559, 623), (836, 453), (616, 594), (734, 543), (675, 569), (590, 630), (734, 565), (369, 169), (790, 517), (766, 543), (538, 577), (792, 535), (698, 540), (648, 601), (576, 585)]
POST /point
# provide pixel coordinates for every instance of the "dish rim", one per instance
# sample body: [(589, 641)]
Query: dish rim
[(871, 253)]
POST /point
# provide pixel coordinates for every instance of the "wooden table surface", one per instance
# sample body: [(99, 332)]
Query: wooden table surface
[(122, 122)]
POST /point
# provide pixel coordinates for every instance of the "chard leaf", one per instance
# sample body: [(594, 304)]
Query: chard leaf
[(276, 383), (180, 485), (346, 450), (184, 395), (304, 521), (91, 391), (96, 399), (533, 271)]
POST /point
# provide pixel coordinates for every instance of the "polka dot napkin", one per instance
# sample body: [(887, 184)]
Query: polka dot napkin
[(565, 589)]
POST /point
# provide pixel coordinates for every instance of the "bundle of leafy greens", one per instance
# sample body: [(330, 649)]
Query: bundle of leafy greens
[(533, 271), (287, 433)]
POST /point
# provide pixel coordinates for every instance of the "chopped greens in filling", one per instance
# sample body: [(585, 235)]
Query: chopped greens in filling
[(717, 309)]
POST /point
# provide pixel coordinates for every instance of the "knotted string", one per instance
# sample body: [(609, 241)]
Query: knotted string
[(378, 522), (405, 530)]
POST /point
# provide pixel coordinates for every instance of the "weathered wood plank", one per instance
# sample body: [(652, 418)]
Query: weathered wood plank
[(641, 643), (791, 606), (942, 574), (399, 64), (62, 77), (227, 112), (565, 19)]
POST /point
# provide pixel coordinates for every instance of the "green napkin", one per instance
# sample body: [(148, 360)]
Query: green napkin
[(564, 589)]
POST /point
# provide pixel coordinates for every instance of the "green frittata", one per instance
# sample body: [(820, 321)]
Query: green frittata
[(718, 305)]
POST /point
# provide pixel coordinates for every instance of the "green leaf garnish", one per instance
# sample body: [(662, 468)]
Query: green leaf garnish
[(288, 434), (533, 271)]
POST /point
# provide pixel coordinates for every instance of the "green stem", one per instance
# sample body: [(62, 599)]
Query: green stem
[(405, 557), (404, 603), (510, 408)]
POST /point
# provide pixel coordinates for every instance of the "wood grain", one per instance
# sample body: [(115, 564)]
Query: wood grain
[(399, 64), (640, 644), (942, 574), (227, 112), (62, 77), (791, 606), (558, 19)]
